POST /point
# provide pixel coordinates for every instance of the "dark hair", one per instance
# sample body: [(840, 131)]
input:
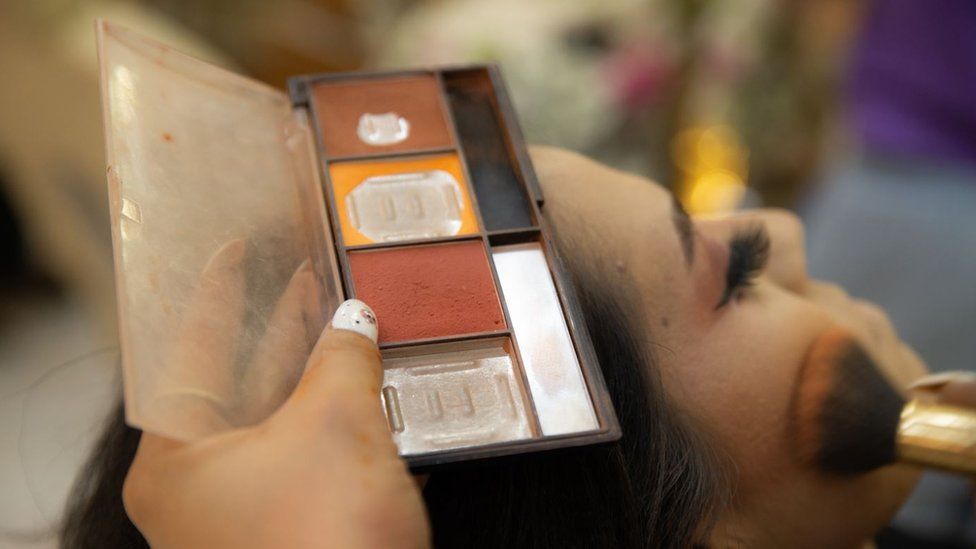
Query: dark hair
[(660, 486), (95, 516)]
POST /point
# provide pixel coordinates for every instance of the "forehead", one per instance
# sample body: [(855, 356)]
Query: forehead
[(609, 221)]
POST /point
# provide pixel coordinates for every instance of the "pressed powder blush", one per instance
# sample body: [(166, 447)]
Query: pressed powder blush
[(454, 396), (548, 357), (381, 115), (412, 191), (430, 291), (404, 199), (503, 202)]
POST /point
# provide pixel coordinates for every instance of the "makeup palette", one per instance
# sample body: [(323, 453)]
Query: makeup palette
[(412, 191)]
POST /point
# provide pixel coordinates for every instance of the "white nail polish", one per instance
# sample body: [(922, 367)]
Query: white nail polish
[(935, 381), (356, 316)]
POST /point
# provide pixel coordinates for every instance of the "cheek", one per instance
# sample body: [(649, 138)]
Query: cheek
[(738, 374)]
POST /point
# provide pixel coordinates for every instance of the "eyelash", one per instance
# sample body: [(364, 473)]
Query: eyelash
[(748, 254)]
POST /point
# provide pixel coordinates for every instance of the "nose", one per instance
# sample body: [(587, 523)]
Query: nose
[(787, 266)]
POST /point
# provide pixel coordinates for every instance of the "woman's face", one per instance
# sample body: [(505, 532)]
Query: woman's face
[(733, 367)]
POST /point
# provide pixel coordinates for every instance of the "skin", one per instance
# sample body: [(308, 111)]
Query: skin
[(734, 368), (322, 471)]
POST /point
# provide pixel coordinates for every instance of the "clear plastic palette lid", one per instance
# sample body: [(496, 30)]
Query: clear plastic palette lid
[(224, 266)]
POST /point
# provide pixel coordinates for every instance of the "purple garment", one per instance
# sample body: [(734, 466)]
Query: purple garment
[(914, 79)]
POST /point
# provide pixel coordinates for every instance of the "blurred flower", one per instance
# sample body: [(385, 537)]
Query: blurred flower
[(578, 70)]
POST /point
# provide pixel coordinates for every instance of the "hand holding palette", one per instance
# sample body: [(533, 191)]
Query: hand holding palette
[(411, 191)]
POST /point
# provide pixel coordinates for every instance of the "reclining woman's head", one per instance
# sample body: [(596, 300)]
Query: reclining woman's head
[(702, 327)]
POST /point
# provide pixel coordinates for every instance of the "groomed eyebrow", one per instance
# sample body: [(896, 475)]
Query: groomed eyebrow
[(685, 229)]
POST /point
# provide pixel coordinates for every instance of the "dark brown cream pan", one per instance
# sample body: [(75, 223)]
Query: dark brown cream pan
[(435, 214)]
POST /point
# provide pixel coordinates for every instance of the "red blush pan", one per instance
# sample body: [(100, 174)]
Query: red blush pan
[(423, 292)]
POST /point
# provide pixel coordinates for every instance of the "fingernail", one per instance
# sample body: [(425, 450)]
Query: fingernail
[(934, 381), (356, 316), (303, 274), (225, 266), (228, 255)]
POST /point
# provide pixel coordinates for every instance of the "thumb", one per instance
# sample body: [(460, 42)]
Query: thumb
[(344, 373), (956, 388), (959, 393)]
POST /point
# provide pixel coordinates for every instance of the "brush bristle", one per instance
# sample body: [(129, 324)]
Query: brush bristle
[(845, 412)]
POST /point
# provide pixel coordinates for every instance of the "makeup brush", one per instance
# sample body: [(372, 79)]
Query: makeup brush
[(848, 418)]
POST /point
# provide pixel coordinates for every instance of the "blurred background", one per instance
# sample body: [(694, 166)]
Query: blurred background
[(859, 115)]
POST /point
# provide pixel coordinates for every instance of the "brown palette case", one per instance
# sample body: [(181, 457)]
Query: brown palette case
[(428, 210)]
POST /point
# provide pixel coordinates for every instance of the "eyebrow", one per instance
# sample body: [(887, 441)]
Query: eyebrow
[(684, 228)]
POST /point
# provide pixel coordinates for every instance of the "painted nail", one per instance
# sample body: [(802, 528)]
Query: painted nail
[(356, 316), (935, 381)]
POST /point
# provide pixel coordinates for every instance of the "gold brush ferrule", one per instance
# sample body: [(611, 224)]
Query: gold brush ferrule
[(938, 436)]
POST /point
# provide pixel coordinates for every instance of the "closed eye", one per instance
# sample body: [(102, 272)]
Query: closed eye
[(748, 256)]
